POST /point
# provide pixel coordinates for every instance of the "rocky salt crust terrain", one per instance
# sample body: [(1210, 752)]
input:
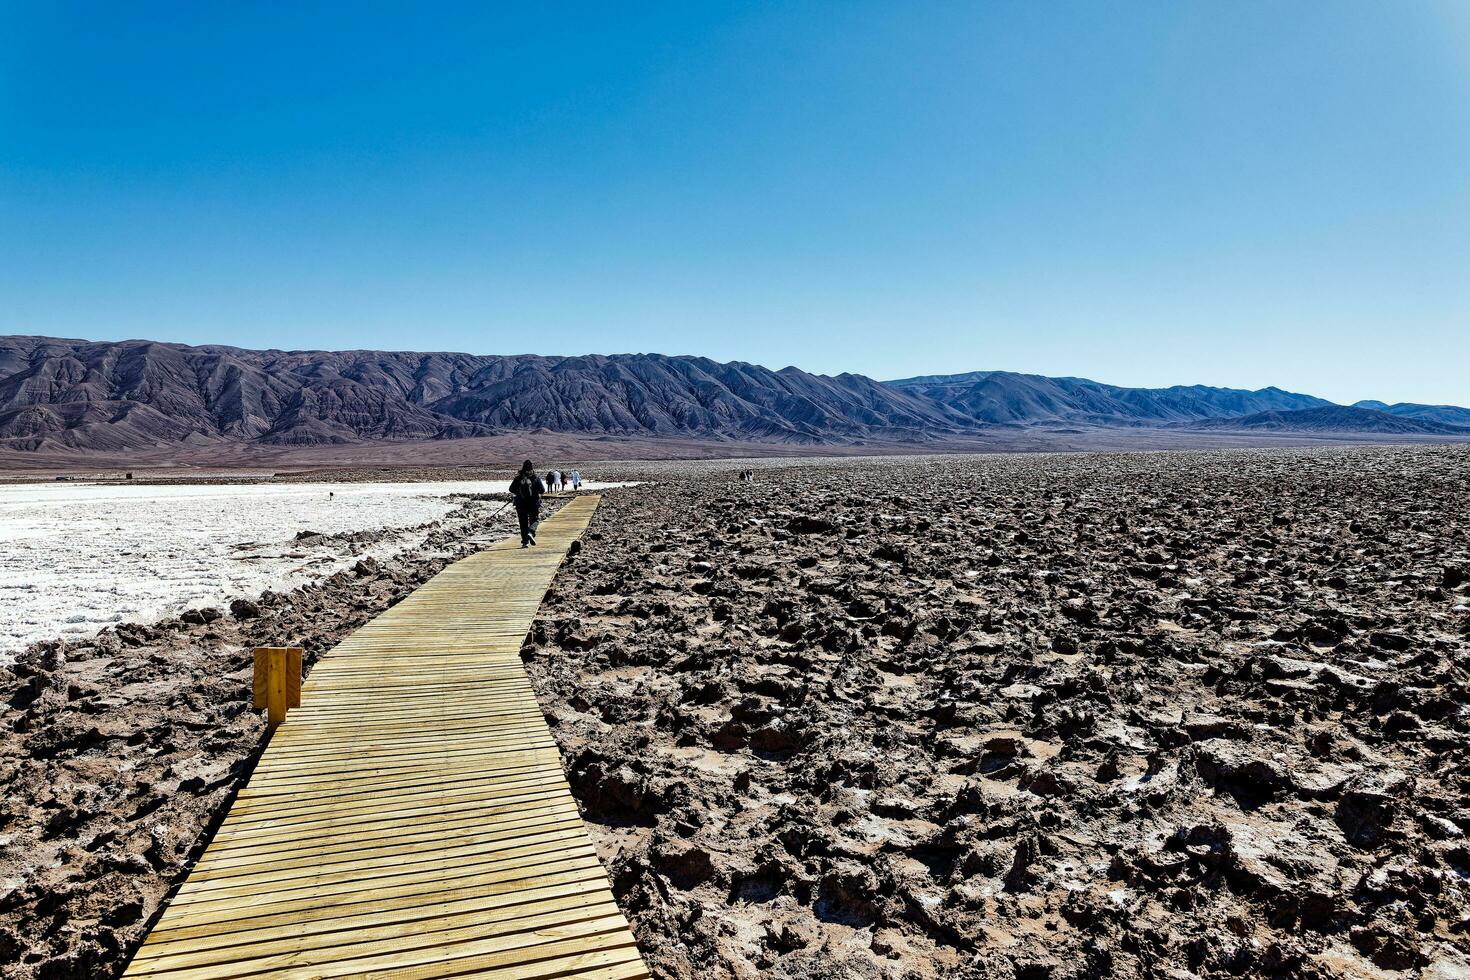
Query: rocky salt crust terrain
[(118, 753), (1161, 715)]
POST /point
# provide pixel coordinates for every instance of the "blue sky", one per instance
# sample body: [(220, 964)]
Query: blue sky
[(1240, 193)]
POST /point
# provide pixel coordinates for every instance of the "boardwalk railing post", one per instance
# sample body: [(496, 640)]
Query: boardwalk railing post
[(277, 685)]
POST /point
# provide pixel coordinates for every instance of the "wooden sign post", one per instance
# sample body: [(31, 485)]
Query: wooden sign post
[(277, 682)]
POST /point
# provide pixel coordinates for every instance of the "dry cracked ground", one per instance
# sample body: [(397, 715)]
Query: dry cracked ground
[(1152, 715), (1156, 715)]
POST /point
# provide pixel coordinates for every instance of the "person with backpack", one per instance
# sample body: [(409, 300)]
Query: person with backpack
[(526, 490)]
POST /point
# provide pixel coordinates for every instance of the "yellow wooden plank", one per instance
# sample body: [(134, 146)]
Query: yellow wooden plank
[(275, 807), (318, 852), (387, 826), (486, 798), (575, 879), (409, 885), (425, 927)]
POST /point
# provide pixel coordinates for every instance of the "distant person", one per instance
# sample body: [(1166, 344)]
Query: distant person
[(526, 490), (576, 479)]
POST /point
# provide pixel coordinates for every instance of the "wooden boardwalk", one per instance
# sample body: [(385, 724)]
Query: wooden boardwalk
[(411, 818)]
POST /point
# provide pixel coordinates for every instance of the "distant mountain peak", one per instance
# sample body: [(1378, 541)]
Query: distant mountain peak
[(1010, 397), (1332, 418), (1441, 414)]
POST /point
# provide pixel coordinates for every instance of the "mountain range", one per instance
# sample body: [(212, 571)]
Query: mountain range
[(77, 395), (1444, 414), (1331, 418), (1028, 399)]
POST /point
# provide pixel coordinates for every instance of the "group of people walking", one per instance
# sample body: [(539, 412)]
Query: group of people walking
[(556, 481), (527, 490)]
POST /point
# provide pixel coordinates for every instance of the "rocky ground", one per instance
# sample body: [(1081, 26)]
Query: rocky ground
[(1154, 715), (118, 754), (1149, 715)]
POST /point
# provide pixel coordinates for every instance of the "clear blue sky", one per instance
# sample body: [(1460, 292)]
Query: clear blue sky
[(1241, 193)]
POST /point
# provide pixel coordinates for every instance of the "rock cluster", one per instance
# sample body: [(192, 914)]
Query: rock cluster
[(1197, 714)]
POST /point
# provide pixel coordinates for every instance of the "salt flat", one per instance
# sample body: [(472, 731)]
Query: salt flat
[(77, 557)]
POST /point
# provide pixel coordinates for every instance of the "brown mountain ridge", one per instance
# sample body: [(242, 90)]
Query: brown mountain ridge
[(79, 395)]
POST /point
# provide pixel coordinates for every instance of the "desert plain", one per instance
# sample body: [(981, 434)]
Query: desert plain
[(1165, 714)]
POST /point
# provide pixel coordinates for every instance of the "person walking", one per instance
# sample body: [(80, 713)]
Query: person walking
[(576, 480), (526, 490)]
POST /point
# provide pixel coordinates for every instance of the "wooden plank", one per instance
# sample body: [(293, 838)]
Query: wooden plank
[(293, 677), (583, 877), (410, 817), (258, 683), (277, 683), (421, 926), (408, 884)]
